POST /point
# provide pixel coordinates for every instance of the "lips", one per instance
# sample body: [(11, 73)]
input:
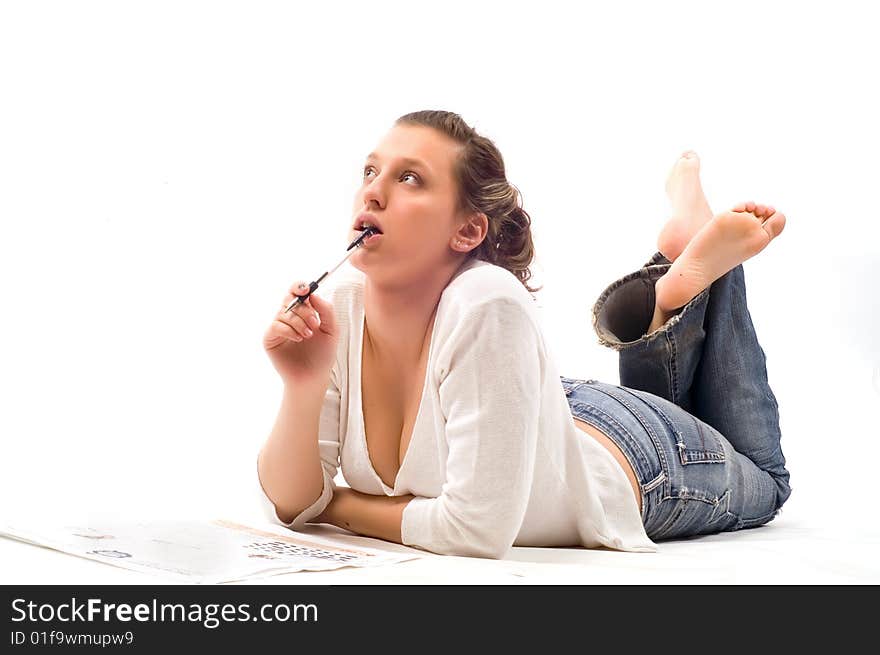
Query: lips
[(367, 218), (371, 240)]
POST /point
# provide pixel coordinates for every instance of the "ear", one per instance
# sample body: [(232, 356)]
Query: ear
[(474, 229)]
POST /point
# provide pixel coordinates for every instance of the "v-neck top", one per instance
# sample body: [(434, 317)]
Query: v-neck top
[(495, 459), (359, 410)]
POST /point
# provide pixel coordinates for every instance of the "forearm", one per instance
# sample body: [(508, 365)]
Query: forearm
[(289, 463), (366, 514)]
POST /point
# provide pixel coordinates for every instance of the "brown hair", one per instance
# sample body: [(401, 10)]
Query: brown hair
[(483, 187)]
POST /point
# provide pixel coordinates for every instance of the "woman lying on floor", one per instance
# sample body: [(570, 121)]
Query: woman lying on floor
[(425, 376)]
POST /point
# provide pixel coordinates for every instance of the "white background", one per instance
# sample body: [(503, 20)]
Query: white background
[(167, 169)]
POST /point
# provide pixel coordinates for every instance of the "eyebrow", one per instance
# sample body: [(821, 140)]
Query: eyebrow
[(409, 161)]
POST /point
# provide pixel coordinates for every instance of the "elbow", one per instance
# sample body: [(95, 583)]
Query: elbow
[(446, 528), (493, 551), (297, 519), (283, 518), (296, 516), (465, 549), (288, 515), (481, 540), (489, 548)]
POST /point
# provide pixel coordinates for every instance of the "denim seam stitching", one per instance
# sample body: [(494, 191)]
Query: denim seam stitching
[(656, 482), (682, 505), (654, 438), (712, 456), (761, 520), (664, 464), (672, 371), (722, 501), (688, 494)]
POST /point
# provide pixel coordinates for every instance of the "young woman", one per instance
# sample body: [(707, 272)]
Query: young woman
[(425, 377)]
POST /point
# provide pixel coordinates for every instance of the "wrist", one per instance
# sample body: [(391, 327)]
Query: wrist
[(313, 385), (331, 513)]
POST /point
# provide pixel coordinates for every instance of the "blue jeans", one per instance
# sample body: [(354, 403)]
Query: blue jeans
[(694, 413)]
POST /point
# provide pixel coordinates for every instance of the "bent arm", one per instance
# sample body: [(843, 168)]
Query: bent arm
[(491, 401), (289, 464)]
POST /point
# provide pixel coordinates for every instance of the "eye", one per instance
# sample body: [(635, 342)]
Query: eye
[(405, 174)]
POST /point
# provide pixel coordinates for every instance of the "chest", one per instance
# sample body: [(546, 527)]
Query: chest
[(391, 399)]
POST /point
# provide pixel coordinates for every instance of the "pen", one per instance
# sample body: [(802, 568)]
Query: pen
[(357, 243)]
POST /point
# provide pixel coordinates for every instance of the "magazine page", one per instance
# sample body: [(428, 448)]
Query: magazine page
[(208, 552)]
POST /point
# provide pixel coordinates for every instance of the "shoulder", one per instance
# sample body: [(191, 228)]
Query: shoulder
[(488, 329), (484, 312), (484, 288)]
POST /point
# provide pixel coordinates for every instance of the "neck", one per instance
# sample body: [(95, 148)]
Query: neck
[(398, 320), (397, 324)]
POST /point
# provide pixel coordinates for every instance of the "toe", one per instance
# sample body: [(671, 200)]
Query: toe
[(761, 211), (775, 224)]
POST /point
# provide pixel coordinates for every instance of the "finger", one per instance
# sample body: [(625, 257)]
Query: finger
[(295, 321), (299, 288), (324, 310), (283, 330), (305, 311)]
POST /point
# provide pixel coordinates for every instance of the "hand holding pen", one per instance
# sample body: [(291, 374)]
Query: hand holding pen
[(314, 285), (301, 341)]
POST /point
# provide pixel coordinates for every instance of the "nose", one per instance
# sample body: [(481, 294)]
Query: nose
[(374, 192)]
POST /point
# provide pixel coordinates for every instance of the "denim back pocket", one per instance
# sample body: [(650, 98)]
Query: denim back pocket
[(696, 443), (700, 445)]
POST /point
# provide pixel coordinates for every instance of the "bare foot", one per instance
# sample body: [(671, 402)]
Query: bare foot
[(690, 209), (723, 243)]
